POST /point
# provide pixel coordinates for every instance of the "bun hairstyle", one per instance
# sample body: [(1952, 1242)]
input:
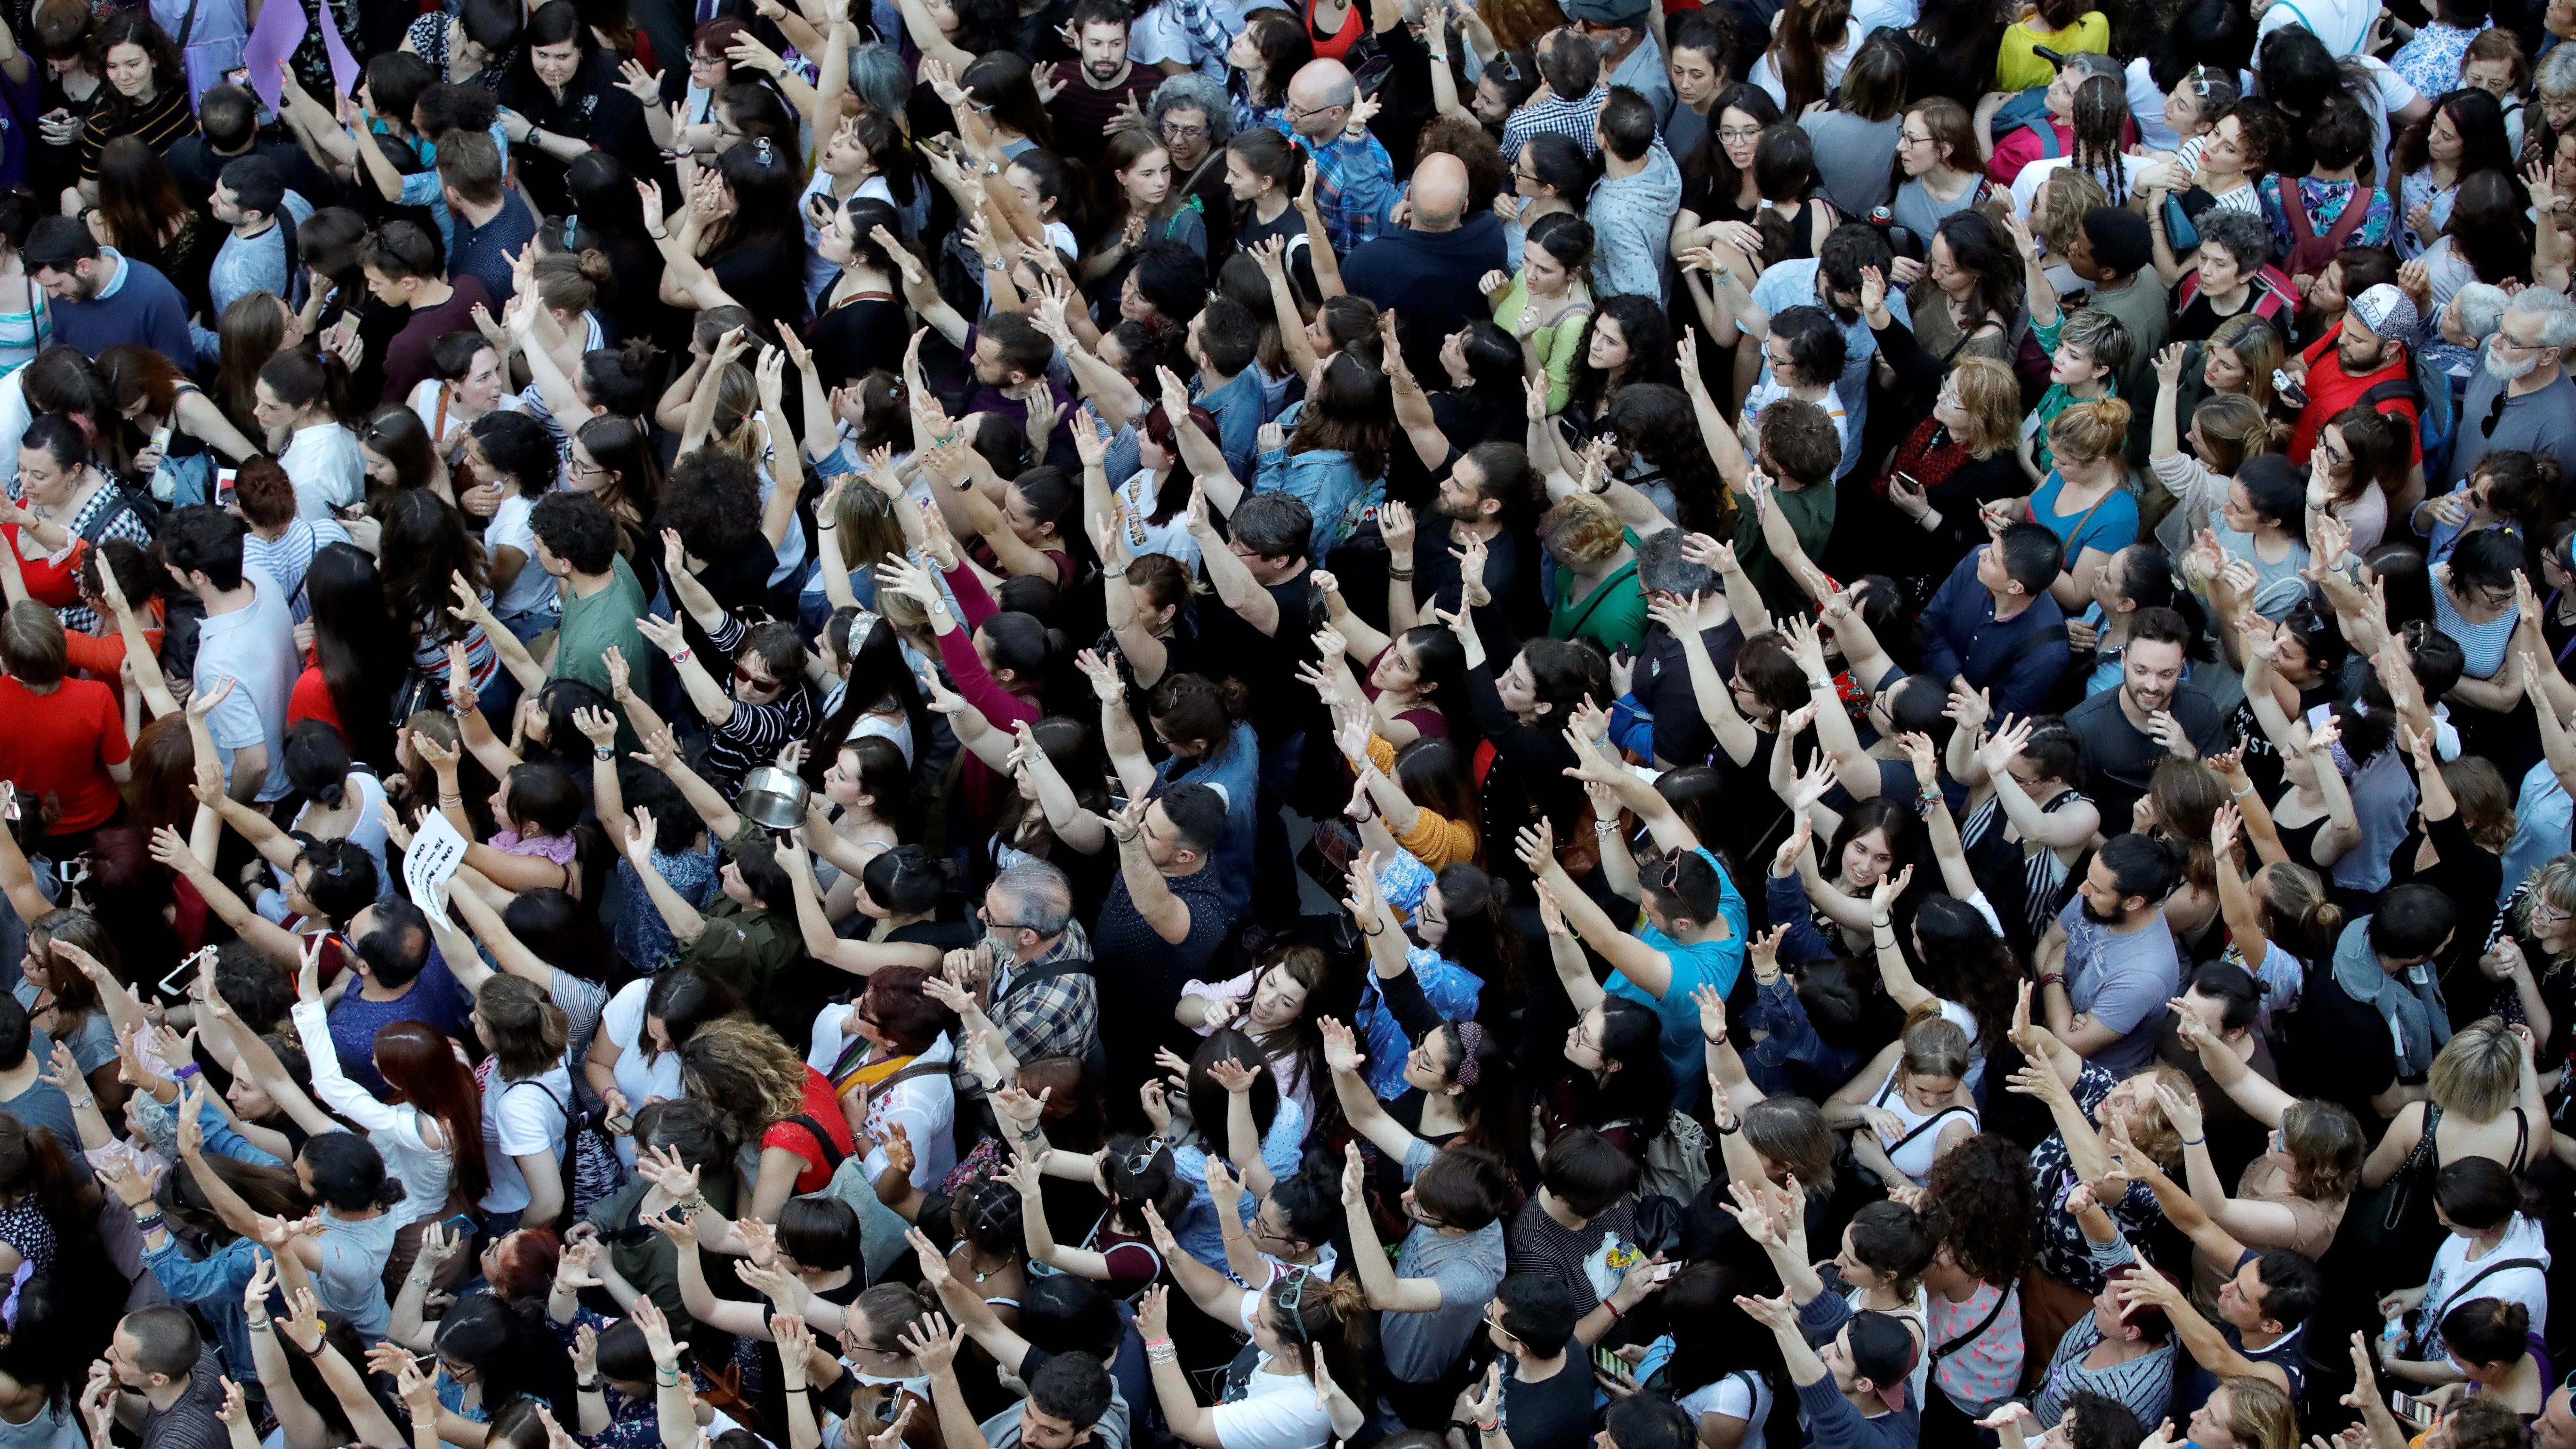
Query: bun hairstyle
[(1191, 710), (2488, 1331), (2090, 431), (1139, 1171), (1327, 1315), (348, 1172)]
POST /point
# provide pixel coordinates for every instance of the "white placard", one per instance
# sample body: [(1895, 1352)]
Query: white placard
[(436, 850)]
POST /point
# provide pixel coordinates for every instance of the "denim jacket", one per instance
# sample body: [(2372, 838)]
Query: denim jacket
[(1326, 481)]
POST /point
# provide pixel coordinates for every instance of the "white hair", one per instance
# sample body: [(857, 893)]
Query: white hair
[(2556, 313), (2478, 308)]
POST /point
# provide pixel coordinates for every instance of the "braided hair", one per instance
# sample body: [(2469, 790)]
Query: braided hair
[(2101, 115)]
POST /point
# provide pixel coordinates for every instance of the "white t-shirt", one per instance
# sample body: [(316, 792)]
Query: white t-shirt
[(2147, 107), (520, 1119), (255, 647), (623, 1023), (1277, 1411), (2341, 24), (2025, 187), (1738, 1396), (2448, 1286), (926, 1105), (1170, 537), (534, 588), (327, 469)]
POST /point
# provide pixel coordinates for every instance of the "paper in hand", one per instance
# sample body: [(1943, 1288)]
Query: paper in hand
[(436, 850)]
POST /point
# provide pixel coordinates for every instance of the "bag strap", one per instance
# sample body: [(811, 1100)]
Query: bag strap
[(2294, 209), (2460, 1294), (2002, 1296), (831, 1150), (1926, 1125)]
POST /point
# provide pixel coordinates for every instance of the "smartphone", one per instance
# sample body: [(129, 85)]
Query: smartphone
[(461, 1224), (225, 496), (170, 984), (2289, 389), (620, 1124), (1117, 793), (1664, 1274), (9, 811), (2410, 1408), (73, 872), (1612, 1364)]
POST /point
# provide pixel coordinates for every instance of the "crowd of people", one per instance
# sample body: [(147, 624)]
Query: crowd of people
[(953, 724)]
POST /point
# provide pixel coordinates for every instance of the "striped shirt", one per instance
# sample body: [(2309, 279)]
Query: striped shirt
[(2144, 1384), (752, 734), (158, 124)]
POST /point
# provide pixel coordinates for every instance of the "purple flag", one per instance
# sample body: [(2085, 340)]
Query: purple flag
[(344, 66), (272, 40)]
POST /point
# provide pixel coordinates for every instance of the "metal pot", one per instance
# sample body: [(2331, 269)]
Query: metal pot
[(772, 798)]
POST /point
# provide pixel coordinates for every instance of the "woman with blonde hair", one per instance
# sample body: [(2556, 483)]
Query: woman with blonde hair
[(1911, 1103), (2483, 1101), (2247, 1412), (771, 1097), (2085, 499), (1597, 594), (2240, 358), (1954, 462)]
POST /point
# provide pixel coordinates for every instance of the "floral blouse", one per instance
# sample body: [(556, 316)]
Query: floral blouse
[(2064, 1252)]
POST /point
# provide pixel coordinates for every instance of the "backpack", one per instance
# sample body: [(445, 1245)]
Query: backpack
[(2028, 112), (590, 1167), (2309, 252), (2275, 299), (1676, 1164)]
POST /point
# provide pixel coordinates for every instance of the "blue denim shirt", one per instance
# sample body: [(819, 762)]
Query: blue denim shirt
[(1452, 990), (1326, 481), (1239, 408), (213, 1286), (1236, 772)]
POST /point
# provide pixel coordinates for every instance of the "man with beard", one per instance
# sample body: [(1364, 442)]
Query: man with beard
[(1486, 484), (2522, 399), (1090, 93), (101, 297), (2109, 964), (2363, 357), (2128, 731)]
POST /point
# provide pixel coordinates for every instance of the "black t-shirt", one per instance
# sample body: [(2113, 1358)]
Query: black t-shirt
[(1662, 685), (2342, 1049), (2120, 759), (767, 276), (856, 336), (1137, 998), (1555, 1412), (1299, 253)]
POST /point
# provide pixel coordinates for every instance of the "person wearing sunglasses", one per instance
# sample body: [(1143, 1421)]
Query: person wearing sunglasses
[(2521, 398)]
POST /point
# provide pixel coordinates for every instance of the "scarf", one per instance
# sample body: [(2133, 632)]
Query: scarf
[(1929, 455), (2411, 1005)]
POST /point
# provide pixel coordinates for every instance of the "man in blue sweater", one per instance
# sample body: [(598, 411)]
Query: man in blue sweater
[(1842, 1393), (102, 298), (1993, 625)]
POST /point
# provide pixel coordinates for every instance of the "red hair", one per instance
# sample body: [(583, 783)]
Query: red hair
[(420, 1064), (523, 1264)]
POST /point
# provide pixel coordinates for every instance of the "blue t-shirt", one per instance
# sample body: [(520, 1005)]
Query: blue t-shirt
[(2110, 525), (1711, 963), (435, 997)]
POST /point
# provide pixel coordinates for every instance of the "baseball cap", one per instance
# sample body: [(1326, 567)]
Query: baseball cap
[(2088, 62), (2387, 311)]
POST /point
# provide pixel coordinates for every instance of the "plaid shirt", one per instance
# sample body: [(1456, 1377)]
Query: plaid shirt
[(1355, 185), (1053, 1016), (1573, 120)]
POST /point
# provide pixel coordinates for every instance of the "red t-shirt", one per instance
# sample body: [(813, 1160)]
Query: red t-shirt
[(2330, 391), (311, 699), (823, 1107), (62, 744)]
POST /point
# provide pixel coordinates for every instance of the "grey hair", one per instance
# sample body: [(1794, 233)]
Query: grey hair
[(2478, 307), (1194, 91), (880, 79), (1661, 569), (1041, 897), (2556, 313), (2556, 75)]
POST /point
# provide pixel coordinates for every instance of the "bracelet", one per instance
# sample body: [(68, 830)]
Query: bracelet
[(1493, 1428), (1380, 931), (2053, 978), (84, 1102), (1717, 1040), (591, 1387), (2241, 794), (661, 235), (2193, 1141), (1164, 1342), (446, 798), (682, 657), (672, 1382), (603, 752), (1615, 1314), (147, 1225), (256, 1325), (1113, 574), (1399, 574), (185, 1072), (1729, 1131), (1604, 828)]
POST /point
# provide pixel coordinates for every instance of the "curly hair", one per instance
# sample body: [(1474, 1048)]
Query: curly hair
[(755, 1077), (1981, 1205)]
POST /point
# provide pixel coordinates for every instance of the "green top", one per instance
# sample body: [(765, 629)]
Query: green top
[(592, 626), (1810, 511), (1613, 615), (2057, 399), (1558, 344), (749, 947)]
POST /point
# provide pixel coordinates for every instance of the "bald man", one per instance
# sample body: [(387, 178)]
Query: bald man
[(1428, 271), (1354, 178)]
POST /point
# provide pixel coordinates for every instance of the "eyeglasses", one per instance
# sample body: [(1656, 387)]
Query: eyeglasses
[(1746, 133), (746, 677), (1183, 133), (1905, 138)]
